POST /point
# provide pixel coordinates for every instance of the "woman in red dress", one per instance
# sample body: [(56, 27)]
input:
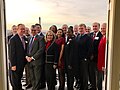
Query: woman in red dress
[(61, 42), (101, 57)]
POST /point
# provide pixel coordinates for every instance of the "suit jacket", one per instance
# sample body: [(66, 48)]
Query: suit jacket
[(37, 50), (8, 38), (52, 53), (68, 54), (17, 52), (96, 42), (84, 47), (41, 34)]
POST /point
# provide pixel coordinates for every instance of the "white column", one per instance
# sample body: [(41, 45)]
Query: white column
[(114, 46), (3, 75)]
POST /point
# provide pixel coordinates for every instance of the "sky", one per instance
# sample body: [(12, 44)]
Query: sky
[(57, 12)]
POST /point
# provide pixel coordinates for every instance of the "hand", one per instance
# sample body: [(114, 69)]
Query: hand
[(54, 66), (29, 59), (13, 68), (103, 69)]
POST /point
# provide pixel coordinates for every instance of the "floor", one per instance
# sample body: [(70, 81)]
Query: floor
[(56, 88)]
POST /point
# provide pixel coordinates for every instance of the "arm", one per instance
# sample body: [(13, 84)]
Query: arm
[(61, 53), (12, 54)]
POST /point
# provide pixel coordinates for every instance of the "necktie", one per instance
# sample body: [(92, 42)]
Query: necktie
[(23, 42), (94, 35), (30, 44)]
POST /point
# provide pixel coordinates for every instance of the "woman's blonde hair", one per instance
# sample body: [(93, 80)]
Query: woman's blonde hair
[(54, 36)]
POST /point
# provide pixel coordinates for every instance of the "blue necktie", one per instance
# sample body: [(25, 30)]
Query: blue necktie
[(30, 44)]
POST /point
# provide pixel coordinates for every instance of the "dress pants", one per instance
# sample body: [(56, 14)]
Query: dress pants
[(27, 73), (100, 76), (70, 78), (50, 76), (83, 74), (92, 74), (15, 79), (36, 75)]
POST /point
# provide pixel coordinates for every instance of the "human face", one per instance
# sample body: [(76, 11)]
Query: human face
[(53, 29), (88, 29), (64, 28), (38, 29), (49, 36), (59, 33), (14, 29), (103, 29), (96, 27), (33, 31), (69, 33), (75, 29), (21, 30), (82, 29), (26, 31)]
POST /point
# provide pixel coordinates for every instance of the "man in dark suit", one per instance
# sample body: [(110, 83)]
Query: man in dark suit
[(35, 57), (17, 57), (84, 52), (96, 35)]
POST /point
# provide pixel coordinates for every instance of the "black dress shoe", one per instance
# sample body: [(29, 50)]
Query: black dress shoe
[(28, 86)]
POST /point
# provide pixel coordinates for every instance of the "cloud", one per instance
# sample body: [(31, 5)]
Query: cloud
[(56, 11)]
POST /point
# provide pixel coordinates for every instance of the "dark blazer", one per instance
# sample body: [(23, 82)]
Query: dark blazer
[(52, 53), (17, 52), (68, 54), (8, 38), (37, 51), (95, 45), (84, 47)]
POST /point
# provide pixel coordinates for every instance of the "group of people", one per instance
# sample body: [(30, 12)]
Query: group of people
[(77, 52)]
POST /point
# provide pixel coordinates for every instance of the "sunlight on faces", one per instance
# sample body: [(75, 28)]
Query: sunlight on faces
[(59, 33), (82, 29), (64, 28), (88, 30), (14, 29), (49, 36), (75, 29), (38, 29), (103, 29), (21, 29), (96, 27), (33, 31)]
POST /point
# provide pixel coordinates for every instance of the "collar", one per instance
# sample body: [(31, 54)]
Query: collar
[(39, 33), (96, 33)]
